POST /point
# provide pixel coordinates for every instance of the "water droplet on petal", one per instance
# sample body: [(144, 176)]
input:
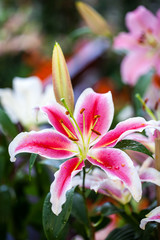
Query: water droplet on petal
[(109, 167), (116, 167)]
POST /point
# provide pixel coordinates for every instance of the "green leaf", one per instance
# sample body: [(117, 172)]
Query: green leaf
[(107, 209), (141, 87), (99, 222), (53, 225), (124, 233), (55, 164), (149, 232), (5, 203), (79, 209), (80, 32), (31, 162), (6, 125), (134, 146), (5, 209)]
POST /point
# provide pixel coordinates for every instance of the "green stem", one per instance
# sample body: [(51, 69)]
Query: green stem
[(89, 230), (127, 215), (83, 183), (150, 113)]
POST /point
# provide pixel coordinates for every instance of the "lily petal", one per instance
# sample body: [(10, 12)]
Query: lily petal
[(140, 20), (124, 41), (100, 182), (63, 182), (117, 165), (123, 129), (154, 215), (47, 143), (58, 118), (150, 175), (136, 64), (94, 105)]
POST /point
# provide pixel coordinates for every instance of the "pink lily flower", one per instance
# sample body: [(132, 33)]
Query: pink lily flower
[(154, 215), (147, 173), (98, 181), (115, 188), (142, 44), (83, 136), (104, 232)]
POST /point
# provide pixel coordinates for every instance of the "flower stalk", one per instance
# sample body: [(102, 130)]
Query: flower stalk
[(157, 163)]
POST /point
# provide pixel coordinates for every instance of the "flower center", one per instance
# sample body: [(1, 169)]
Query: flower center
[(148, 39), (82, 139)]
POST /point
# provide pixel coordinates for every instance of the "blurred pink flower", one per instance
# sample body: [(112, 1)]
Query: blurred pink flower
[(142, 43), (104, 232)]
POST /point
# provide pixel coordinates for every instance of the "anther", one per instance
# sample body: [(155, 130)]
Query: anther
[(149, 30), (61, 120), (96, 116), (82, 110), (67, 112), (73, 139), (96, 132), (145, 101), (142, 38), (156, 105)]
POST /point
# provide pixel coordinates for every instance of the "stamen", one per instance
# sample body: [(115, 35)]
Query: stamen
[(96, 116), (156, 105), (146, 100), (67, 112), (82, 110), (96, 132), (142, 38), (149, 30), (144, 105), (70, 134), (73, 139), (71, 116)]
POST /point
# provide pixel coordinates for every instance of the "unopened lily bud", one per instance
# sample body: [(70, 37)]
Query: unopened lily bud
[(93, 19), (61, 79)]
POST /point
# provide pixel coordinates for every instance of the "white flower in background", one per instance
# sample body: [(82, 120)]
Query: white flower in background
[(27, 95)]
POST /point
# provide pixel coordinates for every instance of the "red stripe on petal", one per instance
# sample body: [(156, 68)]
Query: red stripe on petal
[(62, 182), (98, 108), (56, 115), (118, 165), (123, 129), (47, 143)]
